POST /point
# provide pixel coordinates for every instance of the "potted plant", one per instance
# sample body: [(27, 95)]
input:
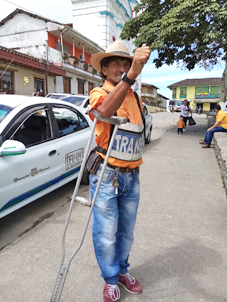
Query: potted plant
[(76, 61), (65, 57), (94, 71), (85, 66)]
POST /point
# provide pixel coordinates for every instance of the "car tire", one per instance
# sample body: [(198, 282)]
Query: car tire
[(85, 177), (148, 138)]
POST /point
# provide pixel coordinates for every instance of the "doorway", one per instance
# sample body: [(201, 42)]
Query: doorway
[(39, 85), (80, 87), (67, 85)]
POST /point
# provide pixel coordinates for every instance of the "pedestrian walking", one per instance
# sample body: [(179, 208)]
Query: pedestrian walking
[(115, 209), (185, 110), (181, 125)]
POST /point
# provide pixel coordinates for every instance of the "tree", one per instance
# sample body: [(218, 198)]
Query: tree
[(188, 32)]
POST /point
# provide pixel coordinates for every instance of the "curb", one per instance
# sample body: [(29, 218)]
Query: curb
[(220, 149)]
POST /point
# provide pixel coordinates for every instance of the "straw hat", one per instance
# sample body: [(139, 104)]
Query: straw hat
[(117, 48)]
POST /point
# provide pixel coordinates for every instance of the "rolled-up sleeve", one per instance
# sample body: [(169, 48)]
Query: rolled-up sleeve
[(96, 97)]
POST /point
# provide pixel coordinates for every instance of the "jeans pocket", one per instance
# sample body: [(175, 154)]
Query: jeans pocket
[(137, 178), (107, 176)]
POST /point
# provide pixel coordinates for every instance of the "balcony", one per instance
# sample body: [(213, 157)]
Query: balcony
[(77, 63)]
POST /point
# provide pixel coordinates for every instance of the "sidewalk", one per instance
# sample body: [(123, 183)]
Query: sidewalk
[(180, 248)]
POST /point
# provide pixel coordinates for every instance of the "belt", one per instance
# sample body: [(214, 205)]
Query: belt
[(121, 169)]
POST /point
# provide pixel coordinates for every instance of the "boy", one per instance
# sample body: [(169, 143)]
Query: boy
[(181, 125)]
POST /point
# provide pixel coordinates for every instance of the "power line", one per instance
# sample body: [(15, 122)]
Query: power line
[(35, 12), (20, 6)]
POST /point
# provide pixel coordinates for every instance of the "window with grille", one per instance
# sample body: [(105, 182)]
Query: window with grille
[(174, 93), (202, 92), (66, 49), (215, 91), (183, 92), (6, 81), (58, 45)]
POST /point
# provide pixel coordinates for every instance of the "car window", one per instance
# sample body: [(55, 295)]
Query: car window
[(179, 103), (69, 121), (76, 100), (86, 103), (145, 111), (34, 129), (4, 110), (57, 96)]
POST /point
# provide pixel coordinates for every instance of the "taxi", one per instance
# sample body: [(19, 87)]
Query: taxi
[(42, 145)]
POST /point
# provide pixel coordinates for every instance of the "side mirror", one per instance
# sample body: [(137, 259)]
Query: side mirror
[(11, 147)]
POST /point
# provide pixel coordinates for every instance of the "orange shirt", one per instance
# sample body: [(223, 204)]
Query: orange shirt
[(128, 109), (180, 124)]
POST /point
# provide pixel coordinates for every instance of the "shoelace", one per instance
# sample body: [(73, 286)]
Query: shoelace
[(113, 292), (130, 278)]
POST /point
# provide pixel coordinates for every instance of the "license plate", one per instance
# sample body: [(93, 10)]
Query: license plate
[(74, 159)]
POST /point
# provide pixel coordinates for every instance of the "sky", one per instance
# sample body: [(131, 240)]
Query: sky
[(61, 11)]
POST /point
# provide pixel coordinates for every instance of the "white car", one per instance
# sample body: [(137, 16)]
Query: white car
[(178, 104), (148, 123), (79, 100), (40, 148)]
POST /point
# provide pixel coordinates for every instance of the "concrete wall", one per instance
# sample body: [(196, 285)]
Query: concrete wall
[(25, 34)]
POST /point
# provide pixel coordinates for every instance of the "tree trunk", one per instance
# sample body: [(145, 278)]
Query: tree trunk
[(223, 88)]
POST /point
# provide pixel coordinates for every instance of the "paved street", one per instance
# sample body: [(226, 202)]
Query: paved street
[(180, 248)]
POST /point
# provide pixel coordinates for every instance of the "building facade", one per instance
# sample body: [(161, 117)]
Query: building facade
[(162, 100), (102, 22), (53, 43), (149, 93), (23, 74), (204, 93)]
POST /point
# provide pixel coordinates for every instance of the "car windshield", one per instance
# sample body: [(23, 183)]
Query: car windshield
[(178, 103), (4, 110), (76, 100)]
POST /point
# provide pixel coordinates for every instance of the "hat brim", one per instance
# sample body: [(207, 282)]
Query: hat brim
[(97, 58)]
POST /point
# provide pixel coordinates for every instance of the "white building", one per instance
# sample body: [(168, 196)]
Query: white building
[(55, 43), (96, 24), (102, 22)]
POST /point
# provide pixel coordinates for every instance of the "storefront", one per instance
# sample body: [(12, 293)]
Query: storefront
[(23, 74)]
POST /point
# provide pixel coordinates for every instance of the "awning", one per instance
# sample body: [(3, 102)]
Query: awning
[(206, 101)]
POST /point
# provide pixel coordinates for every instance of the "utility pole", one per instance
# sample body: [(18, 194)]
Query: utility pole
[(46, 63)]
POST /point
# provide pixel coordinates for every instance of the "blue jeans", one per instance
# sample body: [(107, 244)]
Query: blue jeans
[(113, 221), (209, 135)]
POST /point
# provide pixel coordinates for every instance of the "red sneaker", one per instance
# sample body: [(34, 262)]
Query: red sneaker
[(130, 284), (111, 293)]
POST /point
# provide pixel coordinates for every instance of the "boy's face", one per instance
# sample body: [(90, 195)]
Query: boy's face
[(181, 118)]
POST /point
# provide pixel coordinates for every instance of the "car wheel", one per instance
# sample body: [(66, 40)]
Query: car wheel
[(148, 138), (85, 177)]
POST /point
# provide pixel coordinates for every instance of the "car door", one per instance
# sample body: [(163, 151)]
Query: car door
[(148, 123), (38, 171), (74, 130), (146, 115)]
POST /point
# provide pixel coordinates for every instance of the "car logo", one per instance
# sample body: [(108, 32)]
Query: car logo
[(34, 172)]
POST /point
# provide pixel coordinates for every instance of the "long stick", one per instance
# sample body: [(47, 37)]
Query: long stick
[(6, 69)]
